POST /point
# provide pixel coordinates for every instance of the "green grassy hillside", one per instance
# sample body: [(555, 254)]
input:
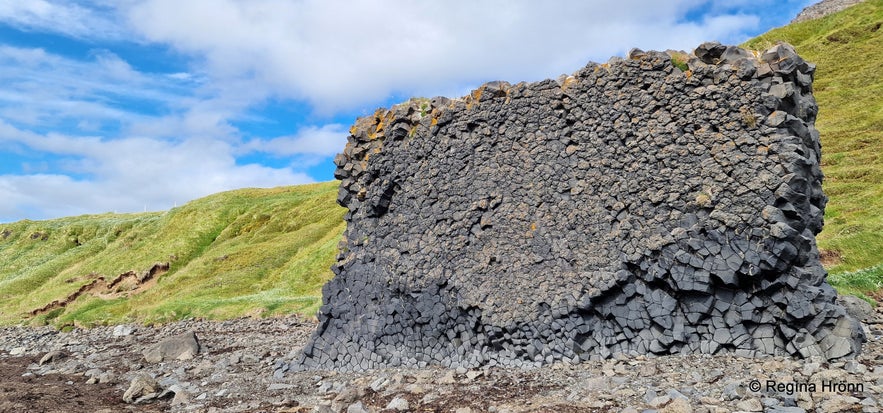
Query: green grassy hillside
[(269, 251), (848, 50), (251, 251)]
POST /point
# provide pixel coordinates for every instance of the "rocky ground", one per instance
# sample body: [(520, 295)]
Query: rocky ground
[(236, 369)]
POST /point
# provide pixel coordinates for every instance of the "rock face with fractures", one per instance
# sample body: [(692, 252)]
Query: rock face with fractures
[(629, 208)]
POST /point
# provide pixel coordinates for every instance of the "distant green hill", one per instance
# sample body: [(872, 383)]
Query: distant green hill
[(250, 251), (848, 49), (268, 251)]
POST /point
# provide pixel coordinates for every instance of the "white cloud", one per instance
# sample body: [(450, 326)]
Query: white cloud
[(325, 141), (309, 147), (44, 89), (94, 19), (181, 76), (156, 138), (341, 55), (126, 174), (113, 135)]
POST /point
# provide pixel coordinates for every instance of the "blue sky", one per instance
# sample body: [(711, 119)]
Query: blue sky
[(125, 106)]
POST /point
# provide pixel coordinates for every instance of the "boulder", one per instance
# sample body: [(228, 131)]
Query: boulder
[(184, 346), (123, 330), (142, 388), (856, 307), (710, 52), (52, 356)]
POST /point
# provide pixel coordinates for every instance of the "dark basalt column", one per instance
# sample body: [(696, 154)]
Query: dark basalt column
[(629, 208)]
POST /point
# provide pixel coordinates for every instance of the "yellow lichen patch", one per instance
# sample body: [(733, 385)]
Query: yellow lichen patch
[(569, 80), (379, 126), (381, 119), (531, 230), (368, 154), (365, 125), (474, 97)]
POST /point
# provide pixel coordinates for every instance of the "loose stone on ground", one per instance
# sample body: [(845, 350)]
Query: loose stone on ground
[(100, 369)]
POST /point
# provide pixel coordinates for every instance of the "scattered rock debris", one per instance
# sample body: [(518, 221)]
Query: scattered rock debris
[(235, 371)]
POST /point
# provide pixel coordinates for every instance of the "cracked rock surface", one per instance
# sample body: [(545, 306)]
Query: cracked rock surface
[(631, 208)]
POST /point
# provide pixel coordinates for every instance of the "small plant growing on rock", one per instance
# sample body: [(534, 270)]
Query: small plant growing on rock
[(679, 60), (703, 199), (748, 118)]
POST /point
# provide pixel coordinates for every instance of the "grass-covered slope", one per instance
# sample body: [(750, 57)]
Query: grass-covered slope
[(848, 49), (269, 251), (251, 251)]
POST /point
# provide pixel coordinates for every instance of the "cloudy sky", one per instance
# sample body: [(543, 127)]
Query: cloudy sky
[(133, 105)]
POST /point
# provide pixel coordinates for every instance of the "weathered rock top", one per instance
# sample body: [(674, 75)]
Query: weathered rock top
[(823, 8), (643, 206)]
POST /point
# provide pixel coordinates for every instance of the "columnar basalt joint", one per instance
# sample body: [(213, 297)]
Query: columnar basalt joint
[(629, 208)]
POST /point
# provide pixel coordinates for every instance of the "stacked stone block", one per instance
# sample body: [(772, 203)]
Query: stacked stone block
[(632, 207)]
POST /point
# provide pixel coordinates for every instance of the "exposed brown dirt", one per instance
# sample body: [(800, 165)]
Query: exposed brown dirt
[(21, 391), (830, 258), (125, 284)]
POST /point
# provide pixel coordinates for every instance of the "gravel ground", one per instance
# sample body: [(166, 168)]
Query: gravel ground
[(92, 370)]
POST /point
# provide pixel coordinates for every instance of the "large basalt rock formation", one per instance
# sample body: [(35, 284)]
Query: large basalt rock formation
[(629, 208)]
